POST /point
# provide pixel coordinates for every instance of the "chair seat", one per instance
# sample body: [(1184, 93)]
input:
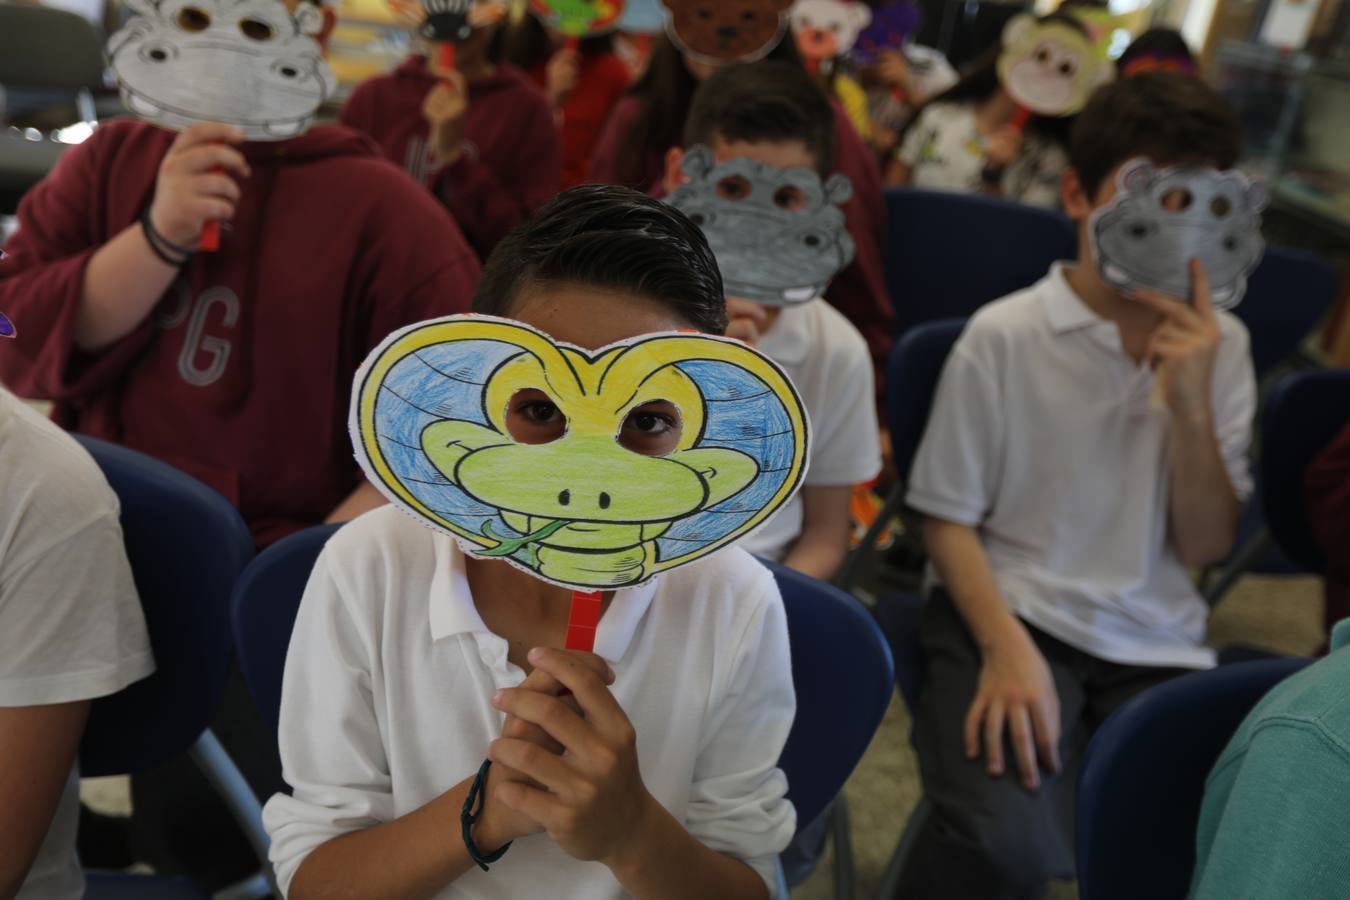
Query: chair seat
[(120, 886), (899, 615), (26, 162)]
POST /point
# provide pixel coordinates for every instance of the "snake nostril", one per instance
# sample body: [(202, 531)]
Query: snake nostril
[(604, 500), (564, 498)]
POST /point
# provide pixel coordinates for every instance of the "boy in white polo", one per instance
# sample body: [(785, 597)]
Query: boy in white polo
[(71, 630), (774, 113), (409, 658), (1064, 500)]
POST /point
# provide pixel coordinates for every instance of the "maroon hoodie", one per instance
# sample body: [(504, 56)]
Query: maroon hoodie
[(512, 166), (1327, 495), (859, 292), (241, 376)]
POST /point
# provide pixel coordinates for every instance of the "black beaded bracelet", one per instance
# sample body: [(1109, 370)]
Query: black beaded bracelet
[(469, 815), (162, 246)]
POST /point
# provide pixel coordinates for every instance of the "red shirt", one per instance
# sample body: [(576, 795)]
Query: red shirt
[(512, 167), (859, 291), (1327, 495), (241, 375), (601, 83)]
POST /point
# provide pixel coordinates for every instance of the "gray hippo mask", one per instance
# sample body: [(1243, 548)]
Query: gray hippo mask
[(247, 63), (778, 234), (1213, 216)]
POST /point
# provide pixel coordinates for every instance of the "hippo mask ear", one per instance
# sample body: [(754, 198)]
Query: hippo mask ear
[(142, 7), (697, 163), (308, 19), (838, 189), (1018, 29), (1258, 195), (1137, 175)]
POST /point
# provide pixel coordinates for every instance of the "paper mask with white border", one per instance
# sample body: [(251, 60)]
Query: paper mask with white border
[(453, 21), (1162, 218), (716, 32), (446, 422), (779, 235), (1049, 67), (6, 327), (247, 63), (825, 29)]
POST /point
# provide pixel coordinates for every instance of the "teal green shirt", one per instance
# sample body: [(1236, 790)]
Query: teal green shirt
[(1275, 822)]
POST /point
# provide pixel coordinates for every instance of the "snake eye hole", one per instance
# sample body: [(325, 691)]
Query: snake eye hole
[(789, 197), (532, 417), (652, 429), (191, 19), (734, 188)]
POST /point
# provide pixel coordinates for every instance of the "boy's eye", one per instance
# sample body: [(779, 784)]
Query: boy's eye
[(734, 187), (255, 29), (1066, 68), (652, 429), (1220, 206), (192, 19), (533, 418), (789, 197), (1042, 54), (1177, 200)]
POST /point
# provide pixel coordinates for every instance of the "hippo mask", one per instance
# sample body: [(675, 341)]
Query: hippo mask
[(1162, 218), (778, 234), (247, 63)]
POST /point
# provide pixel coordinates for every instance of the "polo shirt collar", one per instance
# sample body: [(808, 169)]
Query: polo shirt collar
[(452, 610), (1066, 310), (788, 342)]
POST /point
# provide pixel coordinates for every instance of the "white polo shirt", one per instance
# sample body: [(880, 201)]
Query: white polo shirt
[(829, 364), (385, 703), (1043, 436), (71, 626)]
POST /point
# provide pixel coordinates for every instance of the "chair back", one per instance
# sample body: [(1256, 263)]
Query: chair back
[(1143, 779), (266, 600), (1286, 297), (1304, 412), (949, 254), (42, 47), (187, 545), (912, 375), (844, 679)]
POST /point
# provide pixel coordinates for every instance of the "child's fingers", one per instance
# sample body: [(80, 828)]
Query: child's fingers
[(556, 717), (1024, 747), (213, 185), (974, 716), (206, 157), (206, 208), (993, 737), (598, 704), (1047, 743), (535, 762), (533, 803), (207, 133), (1201, 301), (539, 680), (1167, 305)]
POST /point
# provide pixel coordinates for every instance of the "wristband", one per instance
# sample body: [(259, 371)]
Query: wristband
[(468, 815), (161, 246)]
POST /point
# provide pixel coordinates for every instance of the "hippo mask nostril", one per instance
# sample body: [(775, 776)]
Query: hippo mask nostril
[(158, 54), (289, 71), (1230, 243), (1139, 230), (726, 32), (604, 500)]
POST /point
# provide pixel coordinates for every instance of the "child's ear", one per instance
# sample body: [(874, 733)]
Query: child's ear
[(674, 174), (1073, 196)]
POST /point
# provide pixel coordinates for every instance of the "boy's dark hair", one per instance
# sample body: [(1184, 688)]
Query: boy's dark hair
[(1171, 119), (767, 100), (609, 237), (1162, 43)]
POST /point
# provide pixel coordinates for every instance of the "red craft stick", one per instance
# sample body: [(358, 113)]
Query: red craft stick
[(1020, 118), (583, 619), (210, 239), (571, 42), (447, 55)]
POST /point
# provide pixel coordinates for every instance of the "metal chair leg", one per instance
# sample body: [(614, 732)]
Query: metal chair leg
[(229, 784), (1221, 581), (845, 871), (890, 879)]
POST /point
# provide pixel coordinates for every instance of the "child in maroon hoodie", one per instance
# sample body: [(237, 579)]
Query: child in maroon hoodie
[(480, 135), (650, 121), (235, 367)]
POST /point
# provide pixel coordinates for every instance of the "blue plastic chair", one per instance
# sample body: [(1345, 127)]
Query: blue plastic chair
[(1286, 297), (1306, 410), (266, 600), (1143, 779), (949, 254), (187, 546)]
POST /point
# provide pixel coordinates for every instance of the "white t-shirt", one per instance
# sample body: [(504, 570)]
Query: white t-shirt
[(385, 703), (946, 152), (828, 362), (1043, 435), (70, 621)]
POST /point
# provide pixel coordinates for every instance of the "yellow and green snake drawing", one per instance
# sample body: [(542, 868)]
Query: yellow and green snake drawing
[(432, 427)]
